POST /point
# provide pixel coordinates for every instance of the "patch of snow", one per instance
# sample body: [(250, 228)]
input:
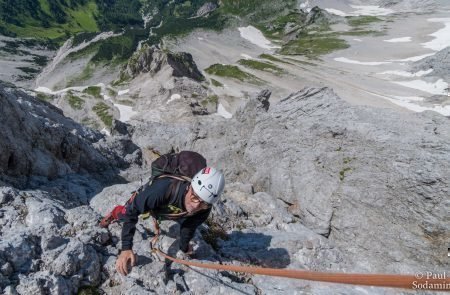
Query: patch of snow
[(49, 91), (105, 131), (157, 27), (121, 92), (408, 98), (407, 74), (399, 40), (126, 112), (366, 63), (255, 36), (246, 56), (146, 18), (221, 111), (306, 6), (434, 88), (200, 38), (359, 40), (370, 10), (173, 97), (414, 58), (442, 37), (362, 10), (444, 110), (336, 12), (43, 90)]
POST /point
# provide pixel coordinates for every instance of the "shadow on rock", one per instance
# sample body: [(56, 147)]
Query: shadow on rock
[(254, 249), (143, 260)]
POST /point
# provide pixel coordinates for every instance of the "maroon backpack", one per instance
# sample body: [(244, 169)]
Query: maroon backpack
[(184, 163)]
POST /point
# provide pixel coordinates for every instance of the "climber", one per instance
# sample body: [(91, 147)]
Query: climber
[(189, 203)]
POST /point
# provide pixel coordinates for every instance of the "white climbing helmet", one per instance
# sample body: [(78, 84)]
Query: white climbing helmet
[(208, 184)]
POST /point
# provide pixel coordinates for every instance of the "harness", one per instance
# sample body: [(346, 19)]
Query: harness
[(170, 212)]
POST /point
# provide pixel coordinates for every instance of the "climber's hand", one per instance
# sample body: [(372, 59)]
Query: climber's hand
[(126, 257)]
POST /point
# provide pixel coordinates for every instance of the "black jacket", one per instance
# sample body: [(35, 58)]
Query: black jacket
[(153, 198)]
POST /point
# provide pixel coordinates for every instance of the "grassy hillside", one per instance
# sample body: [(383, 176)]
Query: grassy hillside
[(49, 19), (60, 19)]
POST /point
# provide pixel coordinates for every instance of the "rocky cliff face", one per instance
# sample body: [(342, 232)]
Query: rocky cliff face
[(372, 183), (150, 59), (40, 141), (312, 182), (439, 63), (50, 167)]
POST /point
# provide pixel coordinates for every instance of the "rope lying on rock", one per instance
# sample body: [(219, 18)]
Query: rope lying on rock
[(419, 281), (379, 280)]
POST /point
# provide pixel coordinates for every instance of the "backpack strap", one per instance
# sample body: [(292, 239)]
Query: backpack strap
[(178, 177), (173, 190)]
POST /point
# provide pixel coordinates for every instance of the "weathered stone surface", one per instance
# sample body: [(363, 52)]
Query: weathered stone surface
[(150, 59), (312, 183), (43, 283), (439, 63), (40, 141), (339, 170), (345, 168), (205, 9)]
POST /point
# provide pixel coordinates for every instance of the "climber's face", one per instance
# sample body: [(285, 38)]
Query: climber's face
[(193, 203)]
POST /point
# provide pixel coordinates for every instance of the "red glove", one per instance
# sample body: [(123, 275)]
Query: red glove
[(118, 212)]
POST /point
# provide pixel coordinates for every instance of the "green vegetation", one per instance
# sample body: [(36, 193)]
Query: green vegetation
[(116, 14), (44, 97), (111, 92), (215, 83), (257, 11), (214, 232), (115, 50), (86, 74), (89, 122), (356, 21), (74, 101), (28, 70), (360, 23), (314, 45), (213, 99), (40, 60), (275, 29), (234, 72), (102, 111), (94, 91), (60, 19), (48, 19), (272, 58), (124, 78), (302, 62), (91, 49), (357, 32), (344, 170), (126, 102), (261, 66), (88, 290), (182, 26), (276, 20), (347, 160)]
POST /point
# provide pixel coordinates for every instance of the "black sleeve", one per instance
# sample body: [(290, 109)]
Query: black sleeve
[(189, 226), (150, 198)]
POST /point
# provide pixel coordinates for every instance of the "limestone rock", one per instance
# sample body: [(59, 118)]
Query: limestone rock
[(206, 9), (59, 145), (152, 60)]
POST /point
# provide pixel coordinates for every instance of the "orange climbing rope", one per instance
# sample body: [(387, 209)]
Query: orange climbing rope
[(418, 281)]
